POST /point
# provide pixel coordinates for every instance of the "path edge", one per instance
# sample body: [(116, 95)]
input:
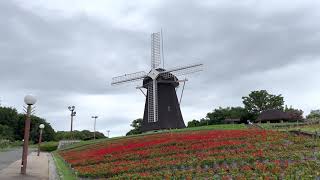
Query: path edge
[(53, 174)]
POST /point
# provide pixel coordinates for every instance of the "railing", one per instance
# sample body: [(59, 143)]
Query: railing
[(299, 132), (287, 125), (65, 143)]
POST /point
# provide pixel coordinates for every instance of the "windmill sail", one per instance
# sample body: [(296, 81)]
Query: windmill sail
[(182, 70), (128, 78), (155, 50), (152, 102)]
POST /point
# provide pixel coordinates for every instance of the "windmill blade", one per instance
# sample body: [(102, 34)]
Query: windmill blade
[(128, 78), (155, 100), (155, 50), (182, 70), (152, 101)]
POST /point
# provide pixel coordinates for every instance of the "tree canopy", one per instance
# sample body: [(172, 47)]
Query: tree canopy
[(254, 104), (218, 116), (12, 126), (294, 114), (8, 123), (136, 124), (258, 101), (79, 135), (314, 114)]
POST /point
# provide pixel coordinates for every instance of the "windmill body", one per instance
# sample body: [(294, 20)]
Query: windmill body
[(168, 110), (162, 108)]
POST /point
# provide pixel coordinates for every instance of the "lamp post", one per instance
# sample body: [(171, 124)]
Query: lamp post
[(94, 126), (41, 126), (29, 100), (73, 113), (108, 132)]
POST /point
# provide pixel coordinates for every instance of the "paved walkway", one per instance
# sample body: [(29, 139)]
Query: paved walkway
[(9, 156), (37, 168)]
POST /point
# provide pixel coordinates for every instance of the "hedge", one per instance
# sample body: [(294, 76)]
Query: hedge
[(49, 146)]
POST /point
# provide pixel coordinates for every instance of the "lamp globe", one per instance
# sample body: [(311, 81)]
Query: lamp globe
[(41, 126), (30, 100)]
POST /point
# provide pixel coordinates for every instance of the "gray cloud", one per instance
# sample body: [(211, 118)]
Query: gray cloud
[(68, 54)]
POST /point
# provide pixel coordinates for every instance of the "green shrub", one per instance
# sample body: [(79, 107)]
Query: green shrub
[(79, 135), (17, 143), (4, 143), (49, 146), (6, 132)]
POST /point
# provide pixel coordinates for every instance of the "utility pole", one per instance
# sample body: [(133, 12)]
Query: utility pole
[(73, 113), (94, 126), (108, 131)]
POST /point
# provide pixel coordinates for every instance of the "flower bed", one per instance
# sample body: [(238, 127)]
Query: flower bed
[(225, 154)]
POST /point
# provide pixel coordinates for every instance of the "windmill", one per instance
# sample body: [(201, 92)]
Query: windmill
[(162, 108)]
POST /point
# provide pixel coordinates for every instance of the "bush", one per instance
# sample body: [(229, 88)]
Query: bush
[(4, 143), (17, 143), (6, 132), (49, 146), (79, 135)]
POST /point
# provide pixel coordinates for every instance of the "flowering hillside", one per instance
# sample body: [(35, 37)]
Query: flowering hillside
[(218, 154)]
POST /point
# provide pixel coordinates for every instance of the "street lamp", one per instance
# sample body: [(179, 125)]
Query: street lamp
[(29, 100), (108, 132), (73, 113), (41, 126), (94, 126)]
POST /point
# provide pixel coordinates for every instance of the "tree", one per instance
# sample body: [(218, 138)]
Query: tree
[(294, 114), (136, 124), (80, 135), (201, 122), (6, 132), (258, 101), (193, 123), (314, 114), (9, 122), (48, 133), (217, 116), (12, 126)]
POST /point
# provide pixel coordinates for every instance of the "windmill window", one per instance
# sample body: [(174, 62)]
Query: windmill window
[(169, 108)]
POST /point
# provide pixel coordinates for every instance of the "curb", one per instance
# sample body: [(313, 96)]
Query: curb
[(53, 175)]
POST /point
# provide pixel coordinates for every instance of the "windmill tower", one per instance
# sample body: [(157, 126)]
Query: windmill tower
[(162, 108)]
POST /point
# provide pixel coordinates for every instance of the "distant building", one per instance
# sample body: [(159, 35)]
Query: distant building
[(273, 116), (232, 121)]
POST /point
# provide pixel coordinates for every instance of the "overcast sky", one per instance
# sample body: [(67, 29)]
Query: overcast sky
[(66, 52)]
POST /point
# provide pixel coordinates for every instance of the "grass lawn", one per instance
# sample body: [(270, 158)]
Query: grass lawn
[(292, 126), (64, 171), (274, 126), (218, 151), (214, 127), (308, 128)]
